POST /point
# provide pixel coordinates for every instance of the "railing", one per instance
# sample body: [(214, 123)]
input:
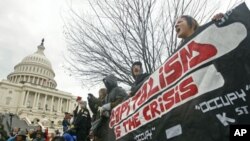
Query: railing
[(40, 124), (28, 122)]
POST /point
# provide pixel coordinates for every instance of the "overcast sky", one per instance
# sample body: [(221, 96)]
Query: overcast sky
[(23, 23)]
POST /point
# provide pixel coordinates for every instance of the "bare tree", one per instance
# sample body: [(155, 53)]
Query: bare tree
[(123, 31)]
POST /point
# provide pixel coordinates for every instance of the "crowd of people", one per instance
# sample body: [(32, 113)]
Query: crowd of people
[(18, 134), (79, 126), (112, 94)]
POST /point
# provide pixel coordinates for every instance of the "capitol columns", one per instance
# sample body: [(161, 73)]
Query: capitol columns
[(61, 105), (70, 105), (38, 99), (58, 105), (24, 92), (26, 99), (34, 102), (45, 103), (21, 102), (52, 104), (67, 106)]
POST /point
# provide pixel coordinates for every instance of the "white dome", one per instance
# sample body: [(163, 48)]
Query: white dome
[(37, 59), (35, 69)]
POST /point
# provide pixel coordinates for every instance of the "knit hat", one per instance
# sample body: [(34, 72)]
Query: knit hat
[(137, 63), (78, 98), (22, 133)]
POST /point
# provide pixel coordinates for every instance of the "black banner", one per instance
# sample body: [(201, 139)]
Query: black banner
[(198, 92)]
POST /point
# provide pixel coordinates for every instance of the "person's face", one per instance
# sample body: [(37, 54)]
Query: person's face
[(83, 104), (101, 95), (39, 136), (78, 101), (15, 129), (136, 70), (182, 29), (31, 132), (39, 128)]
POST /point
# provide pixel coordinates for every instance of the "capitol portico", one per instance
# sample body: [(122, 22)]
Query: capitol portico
[(30, 92)]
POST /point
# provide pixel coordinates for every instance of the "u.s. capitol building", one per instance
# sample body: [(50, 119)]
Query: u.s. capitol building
[(30, 92)]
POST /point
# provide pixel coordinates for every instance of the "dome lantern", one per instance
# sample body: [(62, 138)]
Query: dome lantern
[(41, 48)]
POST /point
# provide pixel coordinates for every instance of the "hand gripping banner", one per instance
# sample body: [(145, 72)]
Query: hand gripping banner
[(198, 92)]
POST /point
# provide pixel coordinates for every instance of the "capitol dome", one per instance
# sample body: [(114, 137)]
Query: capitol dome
[(35, 69)]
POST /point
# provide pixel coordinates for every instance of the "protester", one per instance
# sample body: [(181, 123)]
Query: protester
[(71, 119), (77, 109), (65, 122), (94, 103), (3, 133), (39, 129), (115, 95), (138, 75), (46, 133), (57, 132), (187, 25), (20, 136), (39, 136), (71, 132), (14, 131), (51, 136), (82, 122), (31, 135)]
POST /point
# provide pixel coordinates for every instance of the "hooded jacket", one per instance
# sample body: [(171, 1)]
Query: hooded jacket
[(115, 94)]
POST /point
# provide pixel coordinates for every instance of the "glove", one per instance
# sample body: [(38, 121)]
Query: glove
[(105, 107), (100, 109), (106, 114)]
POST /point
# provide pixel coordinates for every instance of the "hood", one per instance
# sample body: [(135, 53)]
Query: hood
[(110, 82)]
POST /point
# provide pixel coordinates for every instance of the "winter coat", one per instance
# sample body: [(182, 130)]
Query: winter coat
[(82, 124), (139, 80), (115, 95)]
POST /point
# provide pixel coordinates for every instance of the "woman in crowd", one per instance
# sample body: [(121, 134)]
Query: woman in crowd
[(187, 25)]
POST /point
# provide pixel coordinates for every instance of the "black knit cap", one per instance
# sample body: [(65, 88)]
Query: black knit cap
[(137, 63)]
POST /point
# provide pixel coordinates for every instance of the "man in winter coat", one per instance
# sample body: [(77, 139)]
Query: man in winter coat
[(82, 123), (115, 95), (139, 76), (65, 122), (77, 109)]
